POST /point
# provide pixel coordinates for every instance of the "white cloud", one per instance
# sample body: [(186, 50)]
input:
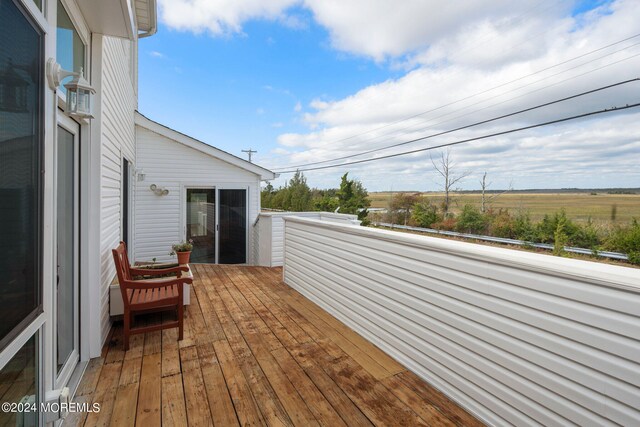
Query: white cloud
[(157, 54), (590, 152), (465, 61), (260, 111), (219, 17)]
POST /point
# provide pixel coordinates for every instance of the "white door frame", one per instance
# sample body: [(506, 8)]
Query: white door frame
[(183, 209), (71, 363)]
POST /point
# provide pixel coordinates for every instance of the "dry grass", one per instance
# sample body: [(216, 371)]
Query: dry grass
[(579, 206)]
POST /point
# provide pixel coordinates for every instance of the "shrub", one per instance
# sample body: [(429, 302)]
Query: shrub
[(523, 228), (627, 240), (424, 214), (471, 220), (447, 224), (558, 223), (501, 224)]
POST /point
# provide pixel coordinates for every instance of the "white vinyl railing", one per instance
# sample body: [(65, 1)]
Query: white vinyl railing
[(514, 337)]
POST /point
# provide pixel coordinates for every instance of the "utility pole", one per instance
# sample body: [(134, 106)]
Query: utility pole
[(249, 152)]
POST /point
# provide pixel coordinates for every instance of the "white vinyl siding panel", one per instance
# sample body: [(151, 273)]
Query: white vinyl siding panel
[(118, 140), (271, 233), (514, 337), (159, 220)]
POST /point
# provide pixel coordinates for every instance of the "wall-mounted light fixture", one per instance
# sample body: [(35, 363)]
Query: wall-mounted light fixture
[(140, 174), (159, 191), (79, 91)]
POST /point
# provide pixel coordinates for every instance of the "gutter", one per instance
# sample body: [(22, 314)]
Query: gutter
[(153, 18)]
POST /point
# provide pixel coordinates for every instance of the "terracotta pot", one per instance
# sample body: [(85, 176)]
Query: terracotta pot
[(183, 257)]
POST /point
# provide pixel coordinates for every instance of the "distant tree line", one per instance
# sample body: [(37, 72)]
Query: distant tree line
[(556, 229), (350, 197)]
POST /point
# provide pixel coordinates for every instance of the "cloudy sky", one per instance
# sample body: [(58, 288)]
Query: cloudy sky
[(304, 81)]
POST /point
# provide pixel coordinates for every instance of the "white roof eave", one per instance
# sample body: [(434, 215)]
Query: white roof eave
[(145, 122)]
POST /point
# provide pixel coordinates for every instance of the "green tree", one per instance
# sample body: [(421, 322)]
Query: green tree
[(353, 198), (266, 196), (297, 197)]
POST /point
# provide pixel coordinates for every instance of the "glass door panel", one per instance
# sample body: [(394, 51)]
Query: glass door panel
[(201, 224), (66, 289), (21, 121), (19, 384), (233, 227)]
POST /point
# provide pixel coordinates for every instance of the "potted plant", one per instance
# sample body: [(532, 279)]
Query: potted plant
[(183, 250)]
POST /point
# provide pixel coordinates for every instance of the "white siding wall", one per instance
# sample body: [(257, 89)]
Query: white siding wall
[(271, 233), (118, 140), (159, 220), (514, 337)]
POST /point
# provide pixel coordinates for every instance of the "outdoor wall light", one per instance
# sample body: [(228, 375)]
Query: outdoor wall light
[(140, 174), (159, 191), (79, 91)]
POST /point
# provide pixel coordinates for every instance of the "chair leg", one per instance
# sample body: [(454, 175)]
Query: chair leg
[(127, 328), (180, 320)]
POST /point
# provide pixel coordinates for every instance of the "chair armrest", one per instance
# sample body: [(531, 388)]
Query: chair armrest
[(150, 284), (158, 271)]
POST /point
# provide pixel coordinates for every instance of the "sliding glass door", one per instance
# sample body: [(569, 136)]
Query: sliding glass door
[(232, 218), (67, 287), (216, 221), (21, 219), (201, 224)]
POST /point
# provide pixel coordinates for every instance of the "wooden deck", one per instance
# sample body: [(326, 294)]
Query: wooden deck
[(255, 352)]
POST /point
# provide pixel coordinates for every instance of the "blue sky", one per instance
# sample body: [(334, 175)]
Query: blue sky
[(241, 91), (302, 81)]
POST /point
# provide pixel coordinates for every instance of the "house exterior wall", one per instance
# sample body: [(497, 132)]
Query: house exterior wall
[(514, 337), (118, 105), (159, 220)]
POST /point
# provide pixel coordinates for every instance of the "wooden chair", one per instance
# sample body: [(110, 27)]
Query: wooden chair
[(150, 295)]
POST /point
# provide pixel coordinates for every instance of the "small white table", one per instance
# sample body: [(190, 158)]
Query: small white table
[(116, 306)]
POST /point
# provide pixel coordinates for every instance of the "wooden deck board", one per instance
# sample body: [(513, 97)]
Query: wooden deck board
[(255, 352)]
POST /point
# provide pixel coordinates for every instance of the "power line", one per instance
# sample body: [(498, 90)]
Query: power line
[(537, 125), (470, 125), (498, 86), (502, 94)]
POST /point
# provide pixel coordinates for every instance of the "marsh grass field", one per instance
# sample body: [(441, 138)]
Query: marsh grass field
[(579, 206)]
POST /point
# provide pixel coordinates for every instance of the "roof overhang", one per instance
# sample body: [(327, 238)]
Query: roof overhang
[(145, 122), (120, 18)]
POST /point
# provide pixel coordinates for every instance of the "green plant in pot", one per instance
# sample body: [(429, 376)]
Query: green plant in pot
[(182, 250)]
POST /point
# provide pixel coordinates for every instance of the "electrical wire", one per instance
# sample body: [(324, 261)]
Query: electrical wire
[(449, 144), (503, 84), (546, 104)]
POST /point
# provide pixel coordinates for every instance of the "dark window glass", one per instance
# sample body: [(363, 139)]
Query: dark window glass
[(21, 81), (125, 201), (19, 384), (233, 227)]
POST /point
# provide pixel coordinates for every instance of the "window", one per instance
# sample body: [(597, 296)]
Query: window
[(19, 384), (21, 64), (69, 46)]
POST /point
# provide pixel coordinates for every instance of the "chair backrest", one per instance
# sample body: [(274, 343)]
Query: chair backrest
[(123, 269)]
